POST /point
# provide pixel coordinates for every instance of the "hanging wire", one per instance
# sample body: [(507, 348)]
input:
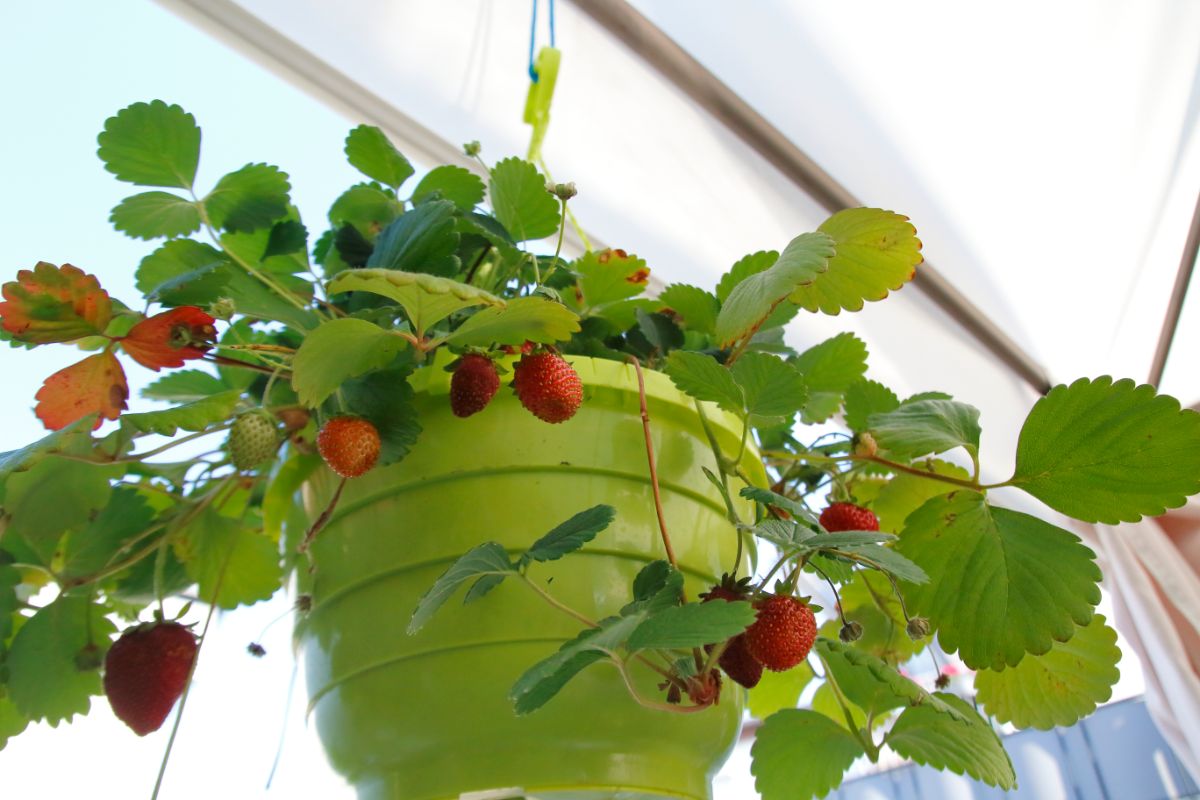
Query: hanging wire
[(533, 76)]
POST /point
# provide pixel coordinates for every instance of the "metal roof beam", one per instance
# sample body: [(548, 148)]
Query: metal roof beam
[(1187, 265), (675, 64)]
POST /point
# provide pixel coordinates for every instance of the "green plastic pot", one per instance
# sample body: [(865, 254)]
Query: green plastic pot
[(427, 717)]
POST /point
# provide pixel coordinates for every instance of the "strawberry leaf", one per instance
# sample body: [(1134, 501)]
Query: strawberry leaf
[(830, 368), (522, 319), (367, 207), (866, 397), (873, 685), (426, 299), (123, 517), (753, 299), (44, 682), (905, 492), (521, 202), (800, 753), (184, 386), (771, 386), (152, 144), (570, 535), (170, 338), (54, 304), (927, 427), (279, 498), (1105, 451), (692, 625), (458, 185), (371, 152), (96, 385), (12, 721), (942, 742), (232, 565), (877, 252), (488, 558), (777, 691), (248, 199), (337, 350), (698, 308), (701, 377), (196, 416), (29, 456), (608, 276), (421, 240), (150, 215), (184, 272), (1002, 583), (1058, 688)]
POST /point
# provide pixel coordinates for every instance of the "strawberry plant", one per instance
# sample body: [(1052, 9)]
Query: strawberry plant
[(311, 351)]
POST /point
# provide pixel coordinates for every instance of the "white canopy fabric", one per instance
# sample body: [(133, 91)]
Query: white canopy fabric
[(1048, 154)]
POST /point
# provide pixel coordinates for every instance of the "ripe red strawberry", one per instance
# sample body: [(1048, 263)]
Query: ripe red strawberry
[(736, 660), (349, 445), (848, 517), (783, 633), (474, 384), (548, 386), (146, 671)]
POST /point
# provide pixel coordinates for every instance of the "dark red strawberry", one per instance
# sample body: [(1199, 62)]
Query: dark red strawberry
[(783, 634), (474, 384), (548, 386), (848, 517), (739, 665), (146, 671)]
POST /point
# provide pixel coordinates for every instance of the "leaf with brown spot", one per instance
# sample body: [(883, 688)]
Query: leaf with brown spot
[(54, 304), (95, 385), (170, 338)]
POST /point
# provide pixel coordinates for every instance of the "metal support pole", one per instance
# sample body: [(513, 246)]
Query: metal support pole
[(1187, 264)]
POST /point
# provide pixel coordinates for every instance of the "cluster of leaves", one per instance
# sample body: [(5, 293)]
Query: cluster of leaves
[(97, 530)]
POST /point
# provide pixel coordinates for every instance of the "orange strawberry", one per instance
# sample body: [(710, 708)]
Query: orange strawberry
[(349, 445)]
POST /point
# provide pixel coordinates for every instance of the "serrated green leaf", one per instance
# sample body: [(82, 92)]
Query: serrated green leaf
[(150, 215), (184, 272), (698, 308), (873, 685), (746, 266), (152, 144), (793, 507), (535, 319), (654, 336), (12, 721), (829, 369), (657, 586), (887, 559), (1002, 583), (753, 299), (607, 277), (692, 625), (877, 252), (100, 544), (866, 397), (458, 185), (777, 691), (371, 152), (570, 535), (784, 534), (771, 387), (248, 199), (544, 680), (75, 435), (835, 569), (386, 399), (44, 683), (927, 427), (905, 492), (1058, 688), (488, 558), (337, 350), (195, 416), (10, 578), (426, 299), (184, 385), (422, 240), (1109, 452), (520, 200), (232, 565), (279, 498), (252, 299), (937, 740), (799, 753), (287, 237), (367, 207), (53, 496), (701, 377)]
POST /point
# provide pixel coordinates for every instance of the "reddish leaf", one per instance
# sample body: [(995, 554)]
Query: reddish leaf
[(54, 304), (170, 338), (95, 385)]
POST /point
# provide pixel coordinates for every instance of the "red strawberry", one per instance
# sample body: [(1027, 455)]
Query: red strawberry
[(548, 386), (474, 384), (737, 662), (349, 445), (146, 671), (848, 517), (783, 633)]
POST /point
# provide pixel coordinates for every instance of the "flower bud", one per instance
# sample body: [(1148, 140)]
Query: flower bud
[(852, 631), (472, 148), (918, 628)]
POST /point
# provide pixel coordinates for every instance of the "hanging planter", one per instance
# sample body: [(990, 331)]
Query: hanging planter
[(500, 475), (598, 530)]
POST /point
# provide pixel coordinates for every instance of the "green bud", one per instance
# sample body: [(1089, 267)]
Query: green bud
[(852, 631), (472, 148), (918, 628)]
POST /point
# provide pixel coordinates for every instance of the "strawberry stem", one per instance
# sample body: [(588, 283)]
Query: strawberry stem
[(321, 521), (658, 508)]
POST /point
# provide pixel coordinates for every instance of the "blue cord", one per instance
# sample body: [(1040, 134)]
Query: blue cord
[(533, 76)]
